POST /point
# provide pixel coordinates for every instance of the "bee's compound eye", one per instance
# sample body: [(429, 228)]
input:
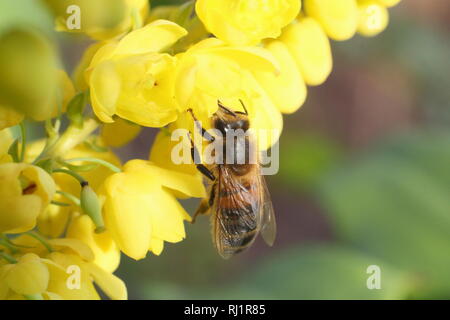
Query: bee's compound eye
[(221, 125)]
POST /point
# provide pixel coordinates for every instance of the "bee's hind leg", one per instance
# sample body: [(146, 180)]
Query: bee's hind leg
[(203, 208), (205, 204)]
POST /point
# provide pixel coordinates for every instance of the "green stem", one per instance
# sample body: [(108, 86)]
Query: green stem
[(104, 163), (8, 257), (24, 141), (36, 296), (41, 239), (72, 137), (59, 203), (69, 196), (4, 241), (71, 173)]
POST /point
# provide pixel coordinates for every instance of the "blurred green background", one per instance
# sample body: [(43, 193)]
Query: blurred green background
[(364, 180)]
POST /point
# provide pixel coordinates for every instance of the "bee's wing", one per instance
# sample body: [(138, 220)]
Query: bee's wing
[(268, 224), (234, 207)]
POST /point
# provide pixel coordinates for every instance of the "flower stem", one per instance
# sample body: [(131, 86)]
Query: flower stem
[(8, 257), (24, 141), (71, 173), (36, 296), (69, 196), (41, 239), (104, 163), (69, 139)]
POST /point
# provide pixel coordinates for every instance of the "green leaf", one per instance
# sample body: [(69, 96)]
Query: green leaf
[(395, 204)]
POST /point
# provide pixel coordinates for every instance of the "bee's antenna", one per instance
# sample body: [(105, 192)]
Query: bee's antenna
[(225, 108), (243, 106)]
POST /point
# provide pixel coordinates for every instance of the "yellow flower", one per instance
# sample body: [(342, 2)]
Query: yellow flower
[(161, 153), (246, 22), (99, 19), (211, 71), (9, 117), (131, 79), (141, 212), (28, 77), (338, 18), (388, 3), (119, 133), (79, 72), (53, 220), (287, 89), (106, 252), (25, 192), (72, 271), (29, 276), (373, 18), (6, 140), (310, 48)]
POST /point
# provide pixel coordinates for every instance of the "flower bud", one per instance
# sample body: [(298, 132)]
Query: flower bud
[(91, 206), (373, 18)]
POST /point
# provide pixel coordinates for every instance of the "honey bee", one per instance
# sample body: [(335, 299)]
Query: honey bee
[(239, 201)]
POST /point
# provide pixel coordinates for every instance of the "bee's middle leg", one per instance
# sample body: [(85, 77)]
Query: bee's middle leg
[(205, 204)]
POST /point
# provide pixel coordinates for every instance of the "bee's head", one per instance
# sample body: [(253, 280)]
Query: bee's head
[(229, 123), (226, 120)]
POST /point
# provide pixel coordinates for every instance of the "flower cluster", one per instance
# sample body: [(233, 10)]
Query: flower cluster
[(68, 207)]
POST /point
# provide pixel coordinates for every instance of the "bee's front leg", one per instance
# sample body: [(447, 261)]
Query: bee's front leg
[(200, 167)]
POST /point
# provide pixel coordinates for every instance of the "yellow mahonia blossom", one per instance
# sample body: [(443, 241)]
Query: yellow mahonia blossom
[(67, 272), (28, 77), (287, 88), (25, 192), (388, 3), (310, 48), (141, 212), (9, 117), (5, 142), (131, 79), (212, 71), (338, 18), (99, 19), (119, 133), (53, 220), (373, 18), (246, 22), (106, 252)]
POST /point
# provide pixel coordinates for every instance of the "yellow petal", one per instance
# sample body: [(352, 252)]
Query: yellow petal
[(154, 37), (373, 18), (60, 277), (106, 252), (105, 89), (310, 48), (119, 133), (389, 3), (246, 22), (110, 284), (28, 276), (182, 182), (338, 18), (9, 117), (74, 245), (287, 89)]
